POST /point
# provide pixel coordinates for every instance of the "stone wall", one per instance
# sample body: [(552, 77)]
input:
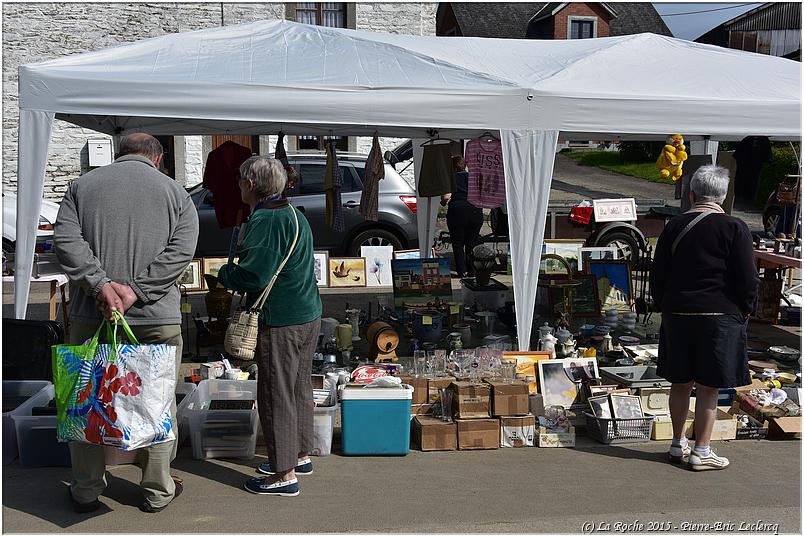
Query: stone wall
[(38, 32)]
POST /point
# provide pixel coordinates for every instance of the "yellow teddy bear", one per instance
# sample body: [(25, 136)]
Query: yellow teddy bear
[(672, 157)]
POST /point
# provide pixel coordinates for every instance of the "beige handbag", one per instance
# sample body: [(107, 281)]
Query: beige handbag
[(241, 334)]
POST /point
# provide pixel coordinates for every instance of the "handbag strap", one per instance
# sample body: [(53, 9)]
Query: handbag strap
[(687, 229), (264, 295)]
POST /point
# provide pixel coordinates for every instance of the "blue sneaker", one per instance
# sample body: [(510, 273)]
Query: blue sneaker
[(260, 485), (304, 467)]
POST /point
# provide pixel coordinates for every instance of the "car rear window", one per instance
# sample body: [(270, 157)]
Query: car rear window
[(312, 179)]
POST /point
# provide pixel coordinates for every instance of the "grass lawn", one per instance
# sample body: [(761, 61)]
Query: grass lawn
[(613, 161)]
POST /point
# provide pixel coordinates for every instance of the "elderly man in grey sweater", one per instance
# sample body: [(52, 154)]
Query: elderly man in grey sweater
[(124, 234)]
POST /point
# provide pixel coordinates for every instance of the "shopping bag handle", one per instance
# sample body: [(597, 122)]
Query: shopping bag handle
[(118, 318)]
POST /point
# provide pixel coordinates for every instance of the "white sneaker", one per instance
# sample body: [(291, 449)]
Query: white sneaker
[(679, 453), (707, 462)]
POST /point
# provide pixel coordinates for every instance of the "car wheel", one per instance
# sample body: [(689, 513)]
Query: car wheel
[(625, 243), (373, 237), (770, 218)]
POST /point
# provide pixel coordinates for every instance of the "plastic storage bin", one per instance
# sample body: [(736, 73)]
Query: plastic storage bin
[(639, 376), (19, 397), (36, 438), (222, 433), (323, 426), (375, 421), (618, 431)]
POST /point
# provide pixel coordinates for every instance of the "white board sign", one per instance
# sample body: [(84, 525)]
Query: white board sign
[(615, 210)]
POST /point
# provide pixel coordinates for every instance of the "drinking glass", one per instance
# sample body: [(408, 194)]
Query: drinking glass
[(419, 363), (440, 363), (508, 370), (445, 396)]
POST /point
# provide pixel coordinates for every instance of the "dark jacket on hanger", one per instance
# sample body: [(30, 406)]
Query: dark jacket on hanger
[(220, 177)]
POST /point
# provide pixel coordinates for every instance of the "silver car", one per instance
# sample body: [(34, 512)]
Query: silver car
[(396, 225)]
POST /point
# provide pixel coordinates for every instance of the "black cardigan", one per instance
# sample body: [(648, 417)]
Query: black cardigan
[(713, 269)]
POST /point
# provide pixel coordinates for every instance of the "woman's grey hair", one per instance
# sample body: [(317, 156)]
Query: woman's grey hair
[(268, 175), (246, 166), (710, 183)]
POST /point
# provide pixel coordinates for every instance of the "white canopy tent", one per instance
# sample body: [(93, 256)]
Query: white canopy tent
[(268, 76)]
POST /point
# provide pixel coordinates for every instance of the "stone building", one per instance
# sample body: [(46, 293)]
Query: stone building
[(35, 32)]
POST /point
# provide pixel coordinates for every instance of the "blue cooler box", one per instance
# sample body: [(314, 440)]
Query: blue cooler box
[(375, 421)]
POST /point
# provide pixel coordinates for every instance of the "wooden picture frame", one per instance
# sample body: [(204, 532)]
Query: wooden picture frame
[(626, 406), (596, 253), (569, 249), (600, 406), (191, 280), (585, 298), (347, 272), (321, 268), (614, 284), (603, 389), (211, 265)]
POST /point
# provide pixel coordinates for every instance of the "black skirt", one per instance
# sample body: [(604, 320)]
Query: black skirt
[(709, 349)]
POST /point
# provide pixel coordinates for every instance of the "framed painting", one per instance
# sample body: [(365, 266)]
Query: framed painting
[(419, 281), (321, 268), (560, 380), (378, 265), (211, 265), (600, 406), (347, 272), (602, 389), (569, 249), (596, 253), (526, 364), (585, 299), (614, 285), (190, 279), (407, 254), (626, 406), (615, 210)]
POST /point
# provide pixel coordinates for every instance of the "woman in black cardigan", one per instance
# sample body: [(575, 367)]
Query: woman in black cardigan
[(705, 282)]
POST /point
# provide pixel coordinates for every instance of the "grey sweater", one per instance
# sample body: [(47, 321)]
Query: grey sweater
[(129, 223)]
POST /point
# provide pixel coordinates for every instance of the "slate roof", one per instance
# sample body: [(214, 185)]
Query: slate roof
[(510, 20)]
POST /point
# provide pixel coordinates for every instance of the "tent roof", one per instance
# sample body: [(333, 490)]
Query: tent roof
[(260, 77)]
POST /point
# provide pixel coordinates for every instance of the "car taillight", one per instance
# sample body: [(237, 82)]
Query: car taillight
[(410, 201)]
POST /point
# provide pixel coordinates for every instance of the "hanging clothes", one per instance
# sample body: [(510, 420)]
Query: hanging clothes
[(221, 174), (436, 176), (375, 170), (280, 154), (333, 184), (486, 173)]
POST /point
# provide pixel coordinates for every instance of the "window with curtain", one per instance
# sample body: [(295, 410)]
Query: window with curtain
[(582, 29), (322, 13), (331, 14)]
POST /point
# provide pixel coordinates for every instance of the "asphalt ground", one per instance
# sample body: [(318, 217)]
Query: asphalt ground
[(591, 488)]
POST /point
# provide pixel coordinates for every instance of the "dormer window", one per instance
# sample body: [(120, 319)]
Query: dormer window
[(581, 27)]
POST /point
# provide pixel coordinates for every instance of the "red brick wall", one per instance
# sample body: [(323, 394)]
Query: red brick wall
[(581, 10)]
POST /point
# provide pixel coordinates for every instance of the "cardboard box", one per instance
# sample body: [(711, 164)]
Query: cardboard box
[(655, 401), (662, 428), (481, 433), (212, 370), (517, 431), (420, 393), (471, 400), (421, 410), (549, 438), (433, 386), (509, 399), (785, 428), (432, 434), (725, 427), (536, 404)]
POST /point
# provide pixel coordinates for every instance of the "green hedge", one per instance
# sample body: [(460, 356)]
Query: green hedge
[(782, 162)]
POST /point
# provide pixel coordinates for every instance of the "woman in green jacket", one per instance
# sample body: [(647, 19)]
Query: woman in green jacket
[(289, 323)]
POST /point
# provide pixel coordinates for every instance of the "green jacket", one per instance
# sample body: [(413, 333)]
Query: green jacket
[(294, 299)]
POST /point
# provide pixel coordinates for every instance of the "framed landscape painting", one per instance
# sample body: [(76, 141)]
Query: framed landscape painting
[(419, 281), (585, 299), (569, 249), (211, 265), (595, 253), (614, 285)]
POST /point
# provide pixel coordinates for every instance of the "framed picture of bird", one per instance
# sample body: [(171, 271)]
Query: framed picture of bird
[(347, 272)]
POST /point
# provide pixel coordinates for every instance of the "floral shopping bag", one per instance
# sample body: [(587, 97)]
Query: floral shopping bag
[(116, 394)]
